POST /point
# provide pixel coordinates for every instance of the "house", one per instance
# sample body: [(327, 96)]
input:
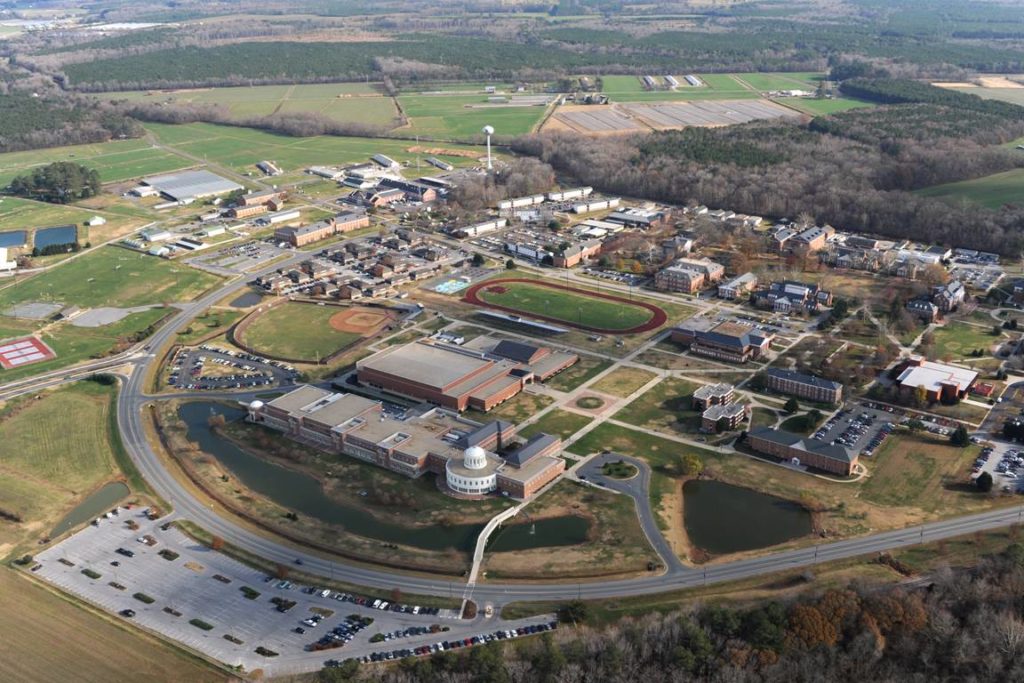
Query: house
[(737, 287)]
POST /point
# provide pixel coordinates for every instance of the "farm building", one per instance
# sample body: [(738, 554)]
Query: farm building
[(188, 186)]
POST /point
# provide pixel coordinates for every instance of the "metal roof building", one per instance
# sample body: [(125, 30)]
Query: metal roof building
[(191, 185)]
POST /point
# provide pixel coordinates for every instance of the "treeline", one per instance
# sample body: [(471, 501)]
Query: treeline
[(961, 626), (30, 120)]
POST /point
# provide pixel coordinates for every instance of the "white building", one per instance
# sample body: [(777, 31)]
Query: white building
[(6, 265), (476, 475)]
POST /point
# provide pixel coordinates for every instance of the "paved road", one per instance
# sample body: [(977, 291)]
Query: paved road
[(133, 399)]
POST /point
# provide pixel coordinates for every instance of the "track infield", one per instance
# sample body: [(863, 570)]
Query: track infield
[(579, 308)]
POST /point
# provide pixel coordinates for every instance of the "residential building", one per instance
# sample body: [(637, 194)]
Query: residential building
[(712, 395), (923, 309), (259, 198), (802, 451), (804, 386), (788, 295), (948, 297), (728, 341), (305, 234), (248, 211), (723, 417), (576, 253), (938, 381), (688, 275), (738, 287)]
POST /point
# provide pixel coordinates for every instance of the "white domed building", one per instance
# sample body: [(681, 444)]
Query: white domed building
[(475, 475)]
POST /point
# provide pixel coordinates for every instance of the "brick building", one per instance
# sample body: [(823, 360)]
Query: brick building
[(804, 386), (803, 451)]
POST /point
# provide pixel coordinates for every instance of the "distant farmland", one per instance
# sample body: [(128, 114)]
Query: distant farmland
[(992, 191)]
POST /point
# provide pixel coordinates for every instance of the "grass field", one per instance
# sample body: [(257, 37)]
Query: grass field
[(992, 191), (449, 116), (516, 409), (917, 470), (816, 107), (242, 148), (110, 276), (957, 340), (57, 449), (567, 306), (26, 214), (558, 422), (585, 369), (665, 406), (622, 381), (298, 331), (93, 648), (116, 161)]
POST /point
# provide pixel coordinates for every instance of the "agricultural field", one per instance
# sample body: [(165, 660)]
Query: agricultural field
[(1011, 95), (116, 161), (57, 450), (992, 191), (817, 107), (574, 307), (93, 648), (298, 332), (242, 148), (110, 276), (448, 116), (358, 102)]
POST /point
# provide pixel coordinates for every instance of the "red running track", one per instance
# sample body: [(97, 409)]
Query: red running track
[(658, 316)]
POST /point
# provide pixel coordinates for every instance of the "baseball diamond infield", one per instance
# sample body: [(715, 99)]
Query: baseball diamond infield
[(579, 308)]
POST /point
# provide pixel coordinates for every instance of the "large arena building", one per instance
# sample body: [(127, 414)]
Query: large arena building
[(479, 376), (473, 459)]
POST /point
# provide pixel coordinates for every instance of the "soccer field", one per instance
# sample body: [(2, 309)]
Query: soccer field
[(574, 307)]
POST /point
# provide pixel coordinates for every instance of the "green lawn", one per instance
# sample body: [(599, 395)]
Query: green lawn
[(298, 331), (452, 117), (667, 406), (26, 214), (558, 422), (781, 81), (111, 276), (958, 340), (567, 306), (992, 191)]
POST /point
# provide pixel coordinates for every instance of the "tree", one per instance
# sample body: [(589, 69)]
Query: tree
[(575, 612), (791, 406), (691, 464), (915, 425), (960, 437), (984, 482), (997, 330), (478, 260), (510, 265), (61, 182)]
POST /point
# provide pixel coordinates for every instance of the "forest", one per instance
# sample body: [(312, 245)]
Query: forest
[(856, 169), (29, 120), (961, 625)]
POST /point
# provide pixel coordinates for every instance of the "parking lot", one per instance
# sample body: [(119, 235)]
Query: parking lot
[(1005, 462), (239, 258), (211, 368), (859, 428), (231, 612)]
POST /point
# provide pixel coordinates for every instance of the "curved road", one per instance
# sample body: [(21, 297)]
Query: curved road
[(133, 398)]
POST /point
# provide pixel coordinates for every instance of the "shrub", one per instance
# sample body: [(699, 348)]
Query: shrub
[(142, 597), (249, 593), (91, 574), (199, 623)]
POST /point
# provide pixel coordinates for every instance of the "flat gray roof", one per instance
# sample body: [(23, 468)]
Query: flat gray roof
[(191, 184), (429, 364)]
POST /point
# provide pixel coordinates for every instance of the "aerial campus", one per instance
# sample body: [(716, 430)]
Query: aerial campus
[(511, 341)]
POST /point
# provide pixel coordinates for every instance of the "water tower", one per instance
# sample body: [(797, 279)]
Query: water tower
[(489, 131)]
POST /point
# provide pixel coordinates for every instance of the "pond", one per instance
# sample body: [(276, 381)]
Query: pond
[(721, 518), (92, 507), (13, 238), (62, 234), (246, 300), (550, 532)]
